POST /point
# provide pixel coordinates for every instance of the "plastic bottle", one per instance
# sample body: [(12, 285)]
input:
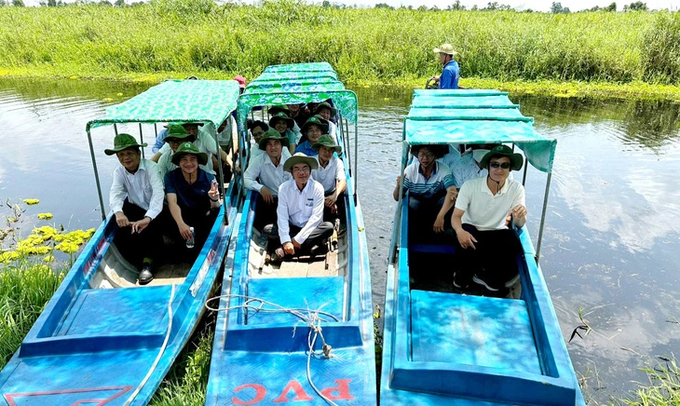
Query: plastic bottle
[(190, 241)]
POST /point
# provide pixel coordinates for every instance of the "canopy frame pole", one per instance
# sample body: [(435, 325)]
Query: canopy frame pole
[(524, 175), (115, 128), (396, 227), (141, 139), (220, 173), (155, 130), (96, 174), (543, 213), (355, 175)]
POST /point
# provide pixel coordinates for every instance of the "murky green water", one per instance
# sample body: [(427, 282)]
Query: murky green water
[(611, 245)]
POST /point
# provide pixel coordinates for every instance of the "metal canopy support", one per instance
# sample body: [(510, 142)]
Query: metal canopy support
[(397, 215), (96, 174), (141, 139), (545, 209), (524, 176)]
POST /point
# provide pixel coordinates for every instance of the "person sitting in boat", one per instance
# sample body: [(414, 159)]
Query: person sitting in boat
[(431, 187), (265, 174), (136, 200), (284, 125), (297, 113), (328, 113), (451, 72), (486, 248), (176, 136), (257, 129), (466, 165), (203, 141), (312, 130), (193, 196), (331, 174), (299, 228)]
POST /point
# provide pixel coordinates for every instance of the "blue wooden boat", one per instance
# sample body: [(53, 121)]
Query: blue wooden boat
[(102, 339), (448, 348), (275, 320)]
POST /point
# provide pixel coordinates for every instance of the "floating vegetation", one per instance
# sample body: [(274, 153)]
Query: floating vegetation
[(45, 216), (31, 202)]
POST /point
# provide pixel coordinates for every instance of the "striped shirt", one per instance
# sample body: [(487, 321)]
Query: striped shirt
[(422, 188)]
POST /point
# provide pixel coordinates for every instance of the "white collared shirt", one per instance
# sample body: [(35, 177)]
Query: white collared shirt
[(328, 176), (485, 210), (302, 208), (262, 172), (143, 188)]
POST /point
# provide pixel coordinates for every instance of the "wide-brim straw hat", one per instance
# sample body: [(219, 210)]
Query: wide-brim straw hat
[(327, 141), (325, 105), (272, 135), (437, 149), (300, 158), (281, 116), (445, 49), (516, 160), (317, 120), (123, 141), (188, 148)]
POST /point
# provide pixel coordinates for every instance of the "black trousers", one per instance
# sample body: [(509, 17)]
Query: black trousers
[(317, 237), (202, 221), (139, 246), (265, 213), (328, 214), (493, 260)]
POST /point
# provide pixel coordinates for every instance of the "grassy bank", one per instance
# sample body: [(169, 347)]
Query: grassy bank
[(175, 38)]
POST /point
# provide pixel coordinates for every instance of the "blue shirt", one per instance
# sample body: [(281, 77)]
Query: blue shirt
[(194, 196), (306, 148), (450, 76), (160, 140)]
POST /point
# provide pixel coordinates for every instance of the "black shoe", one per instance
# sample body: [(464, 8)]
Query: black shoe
[(145, 276), (491, 287), (277, 256), (318, 250), (458, 282)]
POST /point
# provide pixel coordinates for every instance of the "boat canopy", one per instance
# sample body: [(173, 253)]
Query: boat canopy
[(176, 101), (469, 123), (277, 76), (300, 67), (295, 85)]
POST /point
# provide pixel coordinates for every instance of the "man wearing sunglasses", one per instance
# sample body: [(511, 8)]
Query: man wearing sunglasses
[(487, 248)]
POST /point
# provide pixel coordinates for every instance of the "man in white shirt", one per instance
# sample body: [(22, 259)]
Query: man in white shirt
[(136, 199), (486, 248), (331, 174), (265, 174), (299, 228), (203, 140)]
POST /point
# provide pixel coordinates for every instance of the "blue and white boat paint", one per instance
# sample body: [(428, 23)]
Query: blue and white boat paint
[(302, 331), (102, 339), (446, 348)]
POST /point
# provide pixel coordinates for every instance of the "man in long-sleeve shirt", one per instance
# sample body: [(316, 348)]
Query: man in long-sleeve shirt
[(451, 72), (136, 199), (299, 228), (265, 174)]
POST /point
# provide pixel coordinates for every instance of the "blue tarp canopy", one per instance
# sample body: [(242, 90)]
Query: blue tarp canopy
[(500, 101), (469, 124), (176, 101)]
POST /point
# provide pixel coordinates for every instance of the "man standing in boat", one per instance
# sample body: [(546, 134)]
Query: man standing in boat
[(299, 228), (136, 200), (487, 248), (451, 73)]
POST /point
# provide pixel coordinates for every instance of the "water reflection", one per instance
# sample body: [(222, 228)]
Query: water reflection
[(610, 245)]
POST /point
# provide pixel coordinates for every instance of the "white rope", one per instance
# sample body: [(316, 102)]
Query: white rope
[(160, 352), (311, 318)]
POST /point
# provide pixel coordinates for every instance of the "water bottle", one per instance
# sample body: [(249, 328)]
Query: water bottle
[(190, 241)]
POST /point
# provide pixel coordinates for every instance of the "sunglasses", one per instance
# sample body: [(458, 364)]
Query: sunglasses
[(497, 165)]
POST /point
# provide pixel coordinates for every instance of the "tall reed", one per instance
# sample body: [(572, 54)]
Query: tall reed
[(197, 36)]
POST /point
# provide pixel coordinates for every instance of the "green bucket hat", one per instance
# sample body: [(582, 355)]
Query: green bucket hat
[(327, 141), (325, 105), (300, 158), (503, 150), (274, 110), (281, 116), (272, 134), (177, 131), (316, 120), (189, 148), (123, 141)]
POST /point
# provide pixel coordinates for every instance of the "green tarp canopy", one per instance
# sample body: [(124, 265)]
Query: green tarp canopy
[(295, 85), (469, 125), (276, 76), (176, 101), (300, 67), (499, 101)]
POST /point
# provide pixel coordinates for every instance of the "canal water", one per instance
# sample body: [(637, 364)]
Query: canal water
[(611, 244)]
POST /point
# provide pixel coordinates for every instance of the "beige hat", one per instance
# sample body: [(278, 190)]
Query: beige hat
[(445, 49)]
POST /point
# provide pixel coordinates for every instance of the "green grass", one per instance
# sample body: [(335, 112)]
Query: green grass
[(175, 38), (663, 388)]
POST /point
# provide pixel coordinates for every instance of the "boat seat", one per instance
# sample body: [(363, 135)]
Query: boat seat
[(445, 249)]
